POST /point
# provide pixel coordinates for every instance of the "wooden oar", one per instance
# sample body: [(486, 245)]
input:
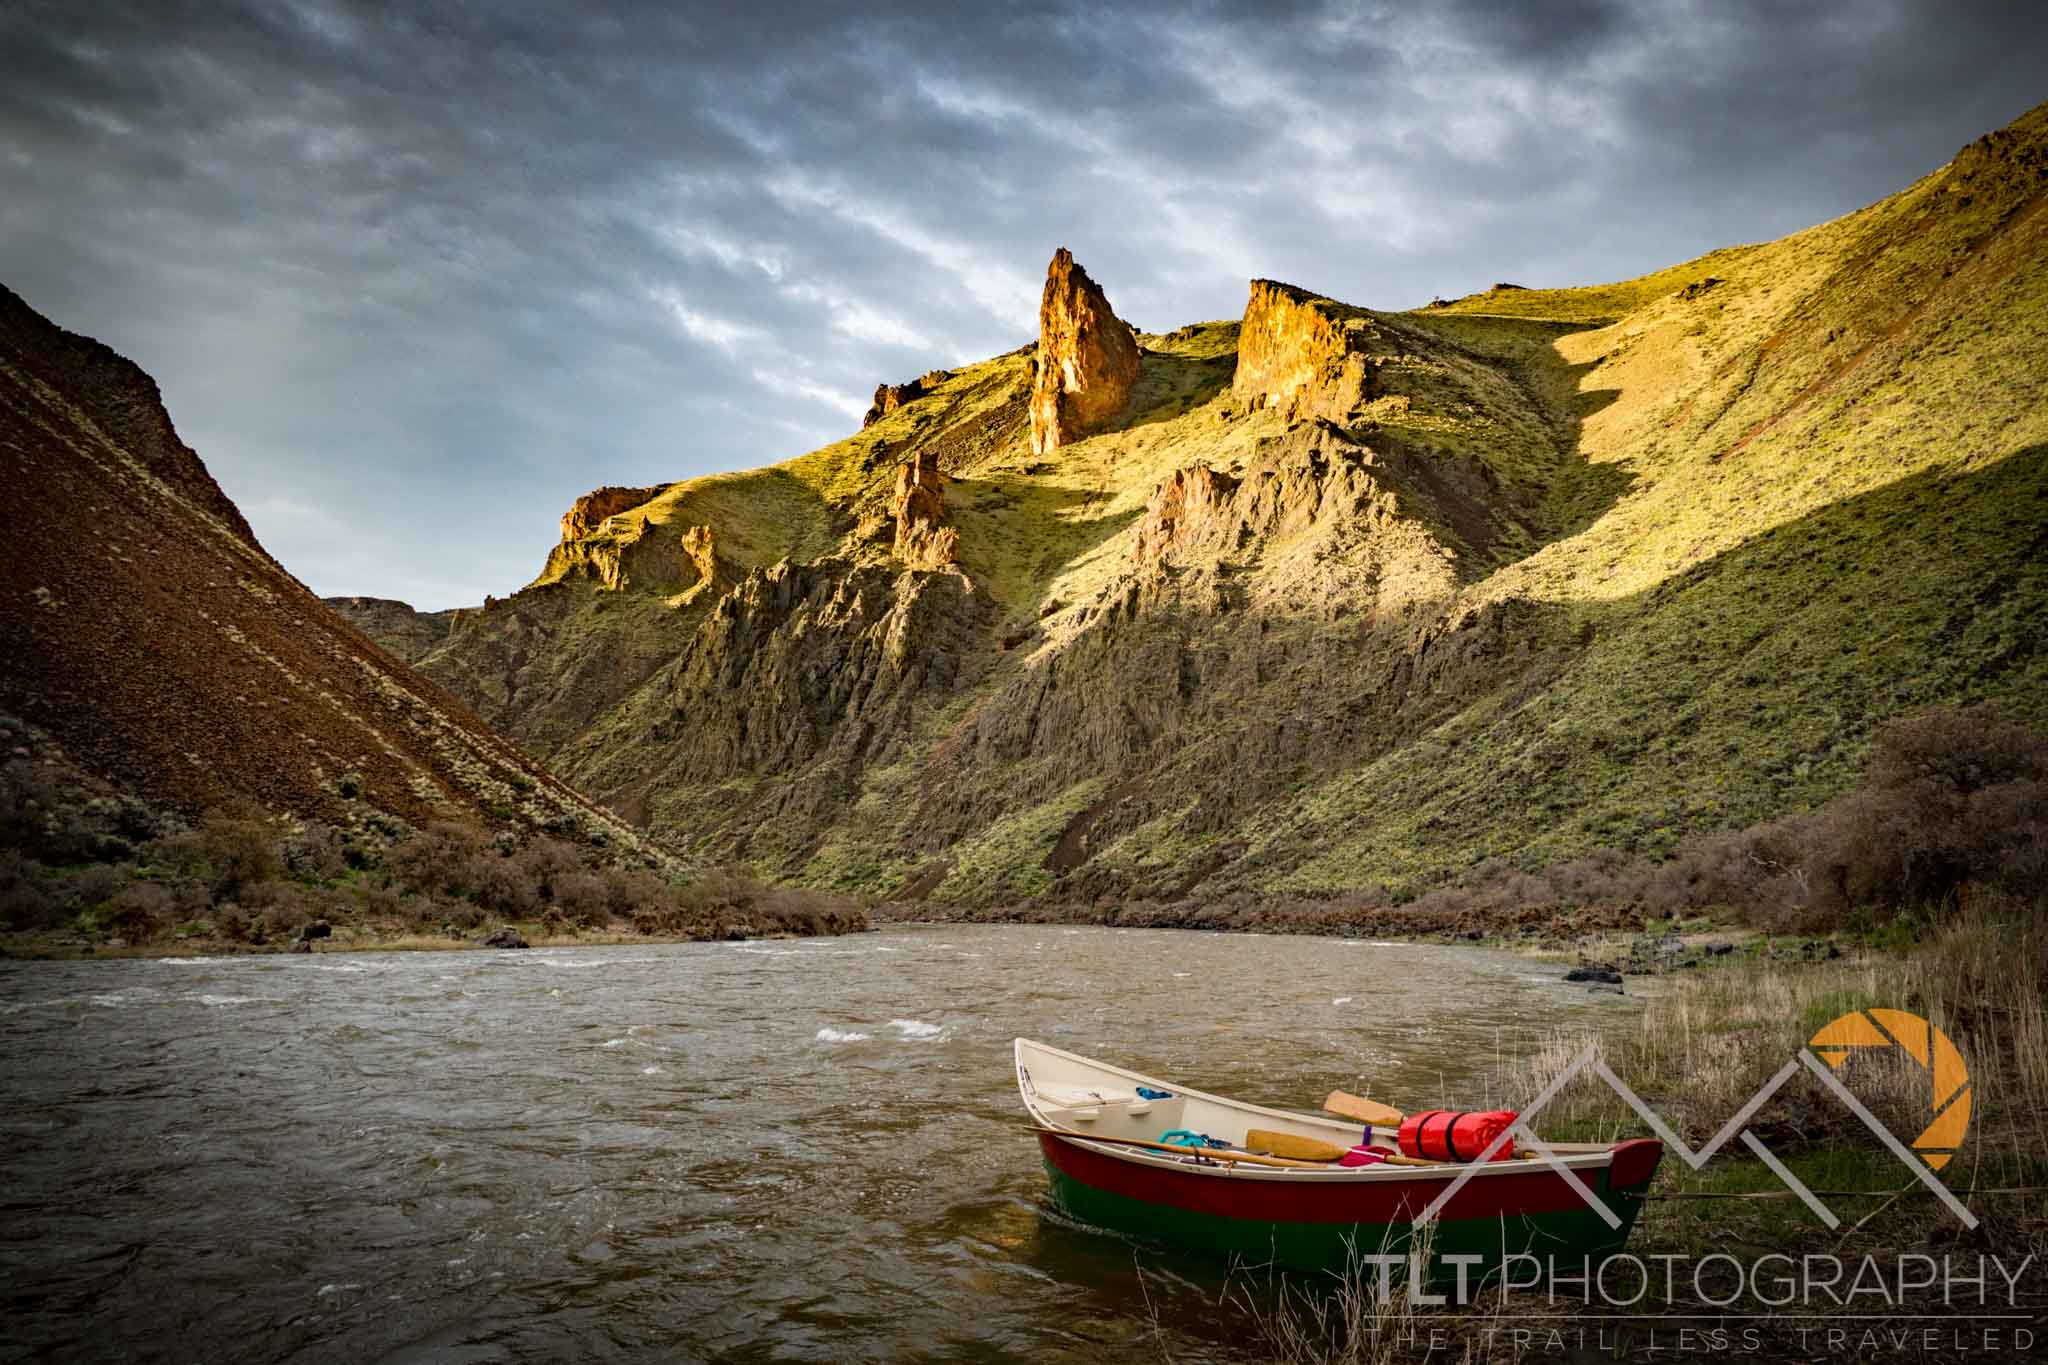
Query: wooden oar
[(1292, 1145), (1220, 1154), (1366, 1111)]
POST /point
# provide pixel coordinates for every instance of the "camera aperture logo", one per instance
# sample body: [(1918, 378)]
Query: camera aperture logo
[(1949, 1086), (1927, 1045)]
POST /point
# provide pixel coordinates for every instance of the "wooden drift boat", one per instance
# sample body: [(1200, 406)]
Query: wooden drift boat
[(1306, 1216)]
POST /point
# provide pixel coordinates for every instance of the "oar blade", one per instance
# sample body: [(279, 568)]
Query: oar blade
[(1358, 1107), (1291, 1145)]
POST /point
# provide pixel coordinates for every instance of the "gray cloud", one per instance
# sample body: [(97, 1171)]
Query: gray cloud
[(413, 276)]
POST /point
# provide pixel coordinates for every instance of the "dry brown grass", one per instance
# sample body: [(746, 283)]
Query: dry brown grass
[(1705, 1046)]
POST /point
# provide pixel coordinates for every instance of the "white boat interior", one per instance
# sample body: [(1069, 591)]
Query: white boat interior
[(1086, 1099)]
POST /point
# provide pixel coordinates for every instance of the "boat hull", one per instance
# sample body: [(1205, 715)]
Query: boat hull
[(1323, 1226)]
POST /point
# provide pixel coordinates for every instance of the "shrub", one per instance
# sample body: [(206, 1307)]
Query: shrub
[(547, 860), (240, 847), (499, 883), (436, 859), (636, 890), (584, 898), (138, 911), (25, 902), (314, 852), (97, 885)]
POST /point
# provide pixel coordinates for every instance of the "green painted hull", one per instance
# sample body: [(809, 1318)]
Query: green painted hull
[(1569, 1235)]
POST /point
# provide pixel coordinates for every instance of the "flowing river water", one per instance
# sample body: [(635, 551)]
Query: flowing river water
[(802, 1150)]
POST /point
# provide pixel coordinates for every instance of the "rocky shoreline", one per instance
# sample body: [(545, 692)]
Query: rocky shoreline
[(1599, 947)]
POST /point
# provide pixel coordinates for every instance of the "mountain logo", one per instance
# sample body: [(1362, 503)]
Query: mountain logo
[(1927, 1045), (1873, 1028)]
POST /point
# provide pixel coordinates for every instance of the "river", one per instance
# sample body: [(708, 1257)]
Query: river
[(789, 1150)]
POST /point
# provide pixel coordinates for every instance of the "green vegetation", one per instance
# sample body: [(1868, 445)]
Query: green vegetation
[(83, 870)]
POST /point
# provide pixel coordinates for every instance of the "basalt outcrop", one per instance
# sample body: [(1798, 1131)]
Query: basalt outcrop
[(631, 547), (408, 634), (591, 510), (1317, 523), (1305, 355), (1087, 358), (919, 507), (700, 553), (1186, 507), (889, 397)]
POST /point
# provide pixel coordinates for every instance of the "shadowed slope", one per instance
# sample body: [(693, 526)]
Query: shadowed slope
[(143, 627)]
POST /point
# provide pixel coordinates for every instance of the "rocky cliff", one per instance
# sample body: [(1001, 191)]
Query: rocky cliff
[(922, 540), (143, 628), (1334, 596), (1305, 355), (1087, 358)]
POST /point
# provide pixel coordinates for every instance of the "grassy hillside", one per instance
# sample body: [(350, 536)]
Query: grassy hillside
[(1588, 567)]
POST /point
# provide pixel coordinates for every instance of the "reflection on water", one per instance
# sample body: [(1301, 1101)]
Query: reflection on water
[(763, 1151)]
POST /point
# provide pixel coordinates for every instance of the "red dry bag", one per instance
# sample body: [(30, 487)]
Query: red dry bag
[(1447, 1135)]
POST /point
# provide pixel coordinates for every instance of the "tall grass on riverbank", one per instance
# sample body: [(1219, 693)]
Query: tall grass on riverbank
[(1704, 1046)]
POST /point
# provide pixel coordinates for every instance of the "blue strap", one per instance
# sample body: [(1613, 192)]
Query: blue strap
[(1147, 1093), (1182, 1137)]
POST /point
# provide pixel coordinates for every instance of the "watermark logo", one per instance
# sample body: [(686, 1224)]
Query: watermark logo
[(1948, 1078), (1876, 1028)]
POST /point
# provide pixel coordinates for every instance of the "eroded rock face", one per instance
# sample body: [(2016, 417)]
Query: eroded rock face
[(408, 634), (1087, 358), (889, 397), (1183, 508), (588, 512), (698, 549), (793, 653), (922, 541), (1317, 522), (1306, 355)]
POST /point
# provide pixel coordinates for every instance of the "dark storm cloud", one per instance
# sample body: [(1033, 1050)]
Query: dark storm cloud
[(413, 276)]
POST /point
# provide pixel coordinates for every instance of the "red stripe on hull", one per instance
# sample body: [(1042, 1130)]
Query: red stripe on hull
[(1538, 1191)]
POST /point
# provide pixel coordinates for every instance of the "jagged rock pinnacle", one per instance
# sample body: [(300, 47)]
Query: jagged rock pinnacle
[(1087, 358)]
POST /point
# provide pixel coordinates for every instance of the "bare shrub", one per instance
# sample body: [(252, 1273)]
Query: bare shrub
[(97, 885), (460, 914), (314, 852), (498, 883), (720, 891), (279, 906), (547, 861), (634, 891), (25, 902), (584, 898), (138, 911), (240, 847), (434, 860)]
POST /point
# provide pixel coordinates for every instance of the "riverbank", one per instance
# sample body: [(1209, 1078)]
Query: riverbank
[(400, 938)]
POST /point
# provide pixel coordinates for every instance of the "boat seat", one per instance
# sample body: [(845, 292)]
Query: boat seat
[(1085, 1104)]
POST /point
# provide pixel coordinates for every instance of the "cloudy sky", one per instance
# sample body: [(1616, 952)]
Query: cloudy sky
[(414, 276)]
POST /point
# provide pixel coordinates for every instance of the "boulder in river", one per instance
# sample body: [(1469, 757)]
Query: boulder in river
[(506, 938)]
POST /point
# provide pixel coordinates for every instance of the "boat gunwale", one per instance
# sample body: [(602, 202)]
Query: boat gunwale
[(1574, 1156)]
